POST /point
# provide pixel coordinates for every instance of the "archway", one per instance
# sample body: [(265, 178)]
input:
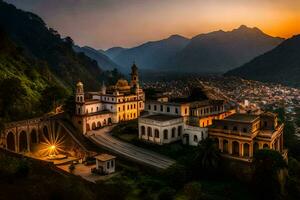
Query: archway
[(266, 146), (88, 128), (246, 149), (235, 148), (10, 142), (195, 138), (104, 122), (98, 124), (23, 144), (93, 125), (109, 121), (149, 131), (173, 132), (156, 133), (225, 146)]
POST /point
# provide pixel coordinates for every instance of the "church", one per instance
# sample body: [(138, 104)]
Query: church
[(113, 104)]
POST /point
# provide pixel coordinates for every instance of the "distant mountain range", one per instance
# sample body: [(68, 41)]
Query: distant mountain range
[(214, 52), (103, 60), (280, 65)]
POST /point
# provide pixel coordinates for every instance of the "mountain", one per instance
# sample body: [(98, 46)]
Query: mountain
[(151, 54), (221, 51), (30, 33), (280, 65), (38, 68), (113, 52), (104, 61)]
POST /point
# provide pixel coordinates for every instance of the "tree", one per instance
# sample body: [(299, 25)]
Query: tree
[(70, 105), (207, 159), (52, 96), (267, 165)]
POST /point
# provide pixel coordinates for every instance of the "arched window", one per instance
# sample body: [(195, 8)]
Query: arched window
[(10, 141), (225, 146), (246, 150), (156, 133), (195, 138), (173, 132), (149, 130), (266, 146), (166, 134), (235, 148)]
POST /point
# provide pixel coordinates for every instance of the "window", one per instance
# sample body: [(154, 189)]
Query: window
[(245, 130), (185, 111), (234, 128), (156, 133), (155, 107), (149, 107), (168, 109), (127, 107), (165, 134), (112, 163), (107, 165), (149, 130), (140, 104), (176, 110), (173, 132), (161, 108), (134, 106), (225, 127), (195, 138), (131, 106), (119, 109)]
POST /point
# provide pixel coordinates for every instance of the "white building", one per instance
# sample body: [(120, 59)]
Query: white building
[(167, 122), (106, 163), (120, 102)]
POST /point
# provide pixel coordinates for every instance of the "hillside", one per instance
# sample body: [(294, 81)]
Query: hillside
[(221, 51), (30, 33), (104, 61), (280, 65), (152, 54)]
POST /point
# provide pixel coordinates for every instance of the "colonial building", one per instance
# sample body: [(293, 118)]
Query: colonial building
[(240, 135), (167, 122), (112, 104)]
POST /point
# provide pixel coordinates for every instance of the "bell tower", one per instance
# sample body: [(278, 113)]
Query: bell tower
[(134, 83), (79, 93)]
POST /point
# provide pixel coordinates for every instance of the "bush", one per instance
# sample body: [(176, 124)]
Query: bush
[(167, 194), (193, 191)]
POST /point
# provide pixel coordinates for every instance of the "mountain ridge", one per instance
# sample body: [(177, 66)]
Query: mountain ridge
[(279, 65)]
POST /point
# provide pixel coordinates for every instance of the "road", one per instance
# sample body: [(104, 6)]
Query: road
[(103, 138)]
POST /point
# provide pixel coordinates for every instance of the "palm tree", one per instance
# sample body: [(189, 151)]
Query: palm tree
[(208, 157)]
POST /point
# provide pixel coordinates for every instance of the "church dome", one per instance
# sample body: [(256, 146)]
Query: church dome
[(79, 84), (122, 83)]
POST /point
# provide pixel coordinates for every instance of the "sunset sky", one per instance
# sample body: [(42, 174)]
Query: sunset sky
[(107, 23)]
